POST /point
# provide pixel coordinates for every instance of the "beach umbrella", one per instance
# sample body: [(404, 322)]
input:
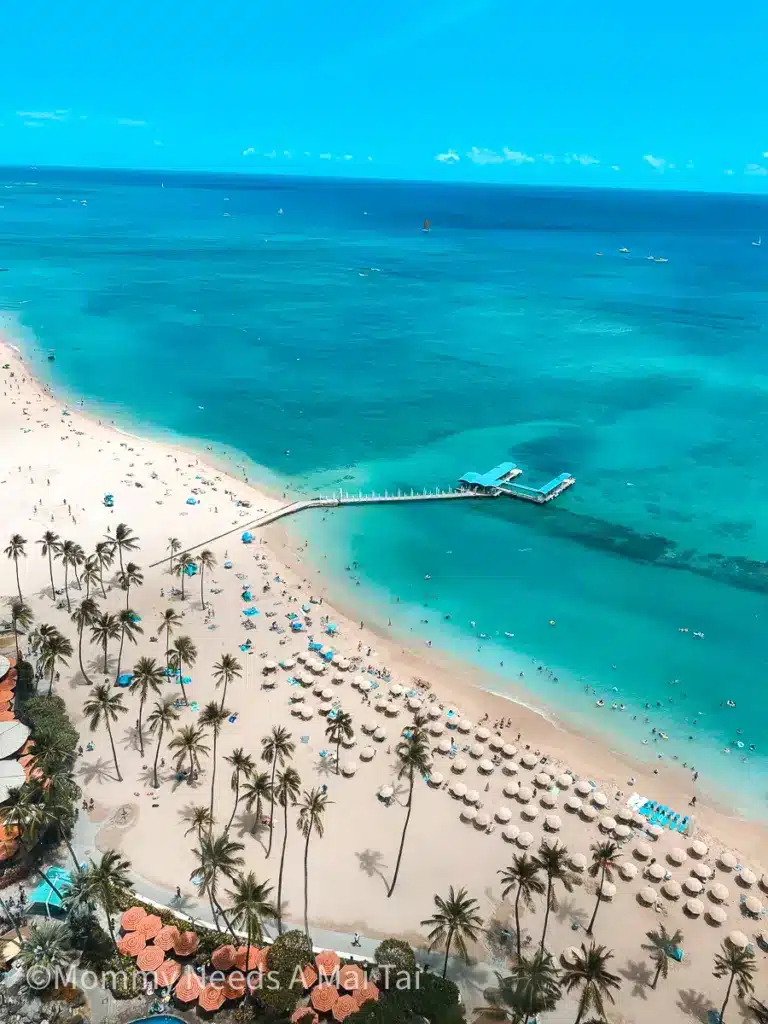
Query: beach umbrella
[(348, 769), (369, 727), (524, 840), (638, 821), (608, 824), (396, 689), (677, 856), (188, 987), (485, 766), (436, 779), (367, 993), (548, 799), (250, 958), (270, 666), (414, 704), (325, 708), (672, 889), (543, 780), (468, 813), (496, 743), (267, 684), (444, 746), (392, 709), (287, 663), (694, 907), (167, 973), (472, 796), (211, 998), (131, 918), (607, 890), (308, 976), (305, 714), (150, 958), (510, 833), (351, 977), (302, 657), (367, 753), (622, 831), (131, 943), (588, 813), (648, 895), (508, 750), (703, 871), (727, 860), (573, 803), (718, 892), (524, 794), (223, 957), (386, 792), (337, 680), (747, 877), (693, 886), (186, 944), (434, 713), (327, 962), (552, 842), (624, 815), (529, 760), (564, 781), (343, 1007), (464, 725), (149, 926), (738, 940), (583, 788), (459, 789), (343, 664), (654, 831), (503, 815), (482, 820), (166, 937), (599, 799), (482, 734), (437, 729), (379, 734), (571, 956), (717, 915), (326, 693), (235, 985), (477, 750), (656, 872), (511, 788), (628, 870), (459, 765), (530, 811), (364, 686), (552, 822), (753, 905)]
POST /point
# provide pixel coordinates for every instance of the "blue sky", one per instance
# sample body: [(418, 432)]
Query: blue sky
[(597, 93)]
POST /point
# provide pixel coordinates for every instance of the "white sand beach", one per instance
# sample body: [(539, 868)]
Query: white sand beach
[(56, 464)]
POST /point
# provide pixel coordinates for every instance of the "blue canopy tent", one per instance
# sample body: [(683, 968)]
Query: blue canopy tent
[(247, 537), (44, 896)]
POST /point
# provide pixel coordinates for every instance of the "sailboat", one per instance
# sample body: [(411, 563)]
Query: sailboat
[(759, 241), (426, 226)]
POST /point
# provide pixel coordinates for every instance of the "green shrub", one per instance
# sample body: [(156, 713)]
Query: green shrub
[(48, 715), (25, 681), (290, 950), (397, 956), (432, 998)]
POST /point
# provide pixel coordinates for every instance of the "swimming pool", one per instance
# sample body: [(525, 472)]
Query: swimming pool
[(159, 1018)]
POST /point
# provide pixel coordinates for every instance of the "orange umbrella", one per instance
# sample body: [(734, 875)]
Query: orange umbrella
[(351, 977), (7, 833), (323, 997), (223, 957), (149, 926), (150, 958), (167, 973), (234, 986), (132, 943), (7, 716), (308, 976), (255, 960), (166, 937), (368, 993), (8, 849), (188, 987), (327, 962), (211, 998), (343, 1006), (304, 1015), (186, 944)]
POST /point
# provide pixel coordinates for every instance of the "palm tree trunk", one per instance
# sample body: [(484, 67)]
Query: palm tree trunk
[(280, 875), (202, 599), (141, 735), (38, 870), (18, 584), (181, 680), (168, 645), (16, 638), (120, 654), (597, 902), (546, 914), (66, 585), (50, 573), (213, 769), (230, 929), (306, 879), (50, 681), (447, 951), (191, 769), (237, 800), (157, 754), (582, 1007), (12, 919), (517, 920), (114, 752), (120, 556), (182, 585), (224, 692), (338, 748), (127, 597), (727, 997), (402, 837), (72, 853), (658, 972), (272, 806), (105, 655)]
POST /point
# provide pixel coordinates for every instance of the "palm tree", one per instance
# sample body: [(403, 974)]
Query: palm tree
[(522, 875), (759, 1011), (311, 811), (413, 755), (48, 950), (286, 791), (225, 671), (22, 618), (106, 627), (125, 540), (532, 987), (455, 918), (55, 648), (174, 545), (338, 729), (130, 576), (250, 904), (105, 556), (185, 655), (605, 858), (91, 574), (19, 813), (659, 944), (213, 716), (591, 974), (200, 821), (737, 965), (188, 742), (553, 860), (162, 718), (49, 546), (110, 884), (56, 794), (185, 560), (147, 677), (277, 747), (66, 552), (78, 559), (103, 705), (257, 787), (206, 560), (84, 615), (129, 627), (217, 856), (242, 764), (170, 621), (15, 551)]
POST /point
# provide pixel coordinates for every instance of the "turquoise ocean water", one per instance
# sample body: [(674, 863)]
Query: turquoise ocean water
[(380, 355)]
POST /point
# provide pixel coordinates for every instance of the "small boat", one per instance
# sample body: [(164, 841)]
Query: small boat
[(759, 241), (660, 259), (51, 355), (624, 250), (280, 210), (426, 226)]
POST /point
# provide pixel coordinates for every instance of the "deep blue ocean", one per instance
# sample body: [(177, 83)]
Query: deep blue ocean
[(377, 354)]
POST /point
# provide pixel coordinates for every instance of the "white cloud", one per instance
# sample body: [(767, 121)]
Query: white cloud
[(584, 159), (326, 156), (755, 169), (615, 167), (451, 157), (249, 152), (131, 122), (484, 156), (657, 162), (347, 156), (43, 115), (516, 157)]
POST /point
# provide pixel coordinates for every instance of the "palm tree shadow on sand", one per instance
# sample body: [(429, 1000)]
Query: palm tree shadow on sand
[(641, 976), (568, 911), (102, 770), (372, 864), (694, 1005), (325, 768)]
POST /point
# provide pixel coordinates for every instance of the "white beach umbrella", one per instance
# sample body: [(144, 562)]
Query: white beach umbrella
[(343, 664), (573, 804), (693, 886), (380, 703), (628, 870), (392, 709), (753, 905), (482, 734), (543, 780), (655, 831), (564, 781), (288, 663), (349, 768), (396, 690), (577, 861), (268, 684), (444, 746), (367, 753), (508, 750), (583, 788), (738, 940), (727, 860), (464, 725), (459, 789), (747, 877), (365, 686), (638, 821), (317, 667), (599, 799), (324, 708), (436, 779), (524, 839), (648, 895), (414, 703), (356, 680), (472, 796), (677, 855), (548, 799), (270, 666), (529, 760), (509, 768), (524, 794), (337, 680), (386, 792), (459, 765), (703, 871), (672, 889), (306, 714), (643, 851), (482, 820), (656, 872), (5, 665), (327, 694), (434, 713), (496, 743), (302, 657), (369, 727), (588, 813), (299, 677), (530, 811), (379, 733), (622, 831), (717, 915), (607, 824), (437, 728), (511, 788), (624, 815), (510, 833), (485, 766), (571, 956), (607, 890), (477, 750), (699, 849), (718, 892), (503, 815), (694, 907), (553, 822), (468, 813)]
